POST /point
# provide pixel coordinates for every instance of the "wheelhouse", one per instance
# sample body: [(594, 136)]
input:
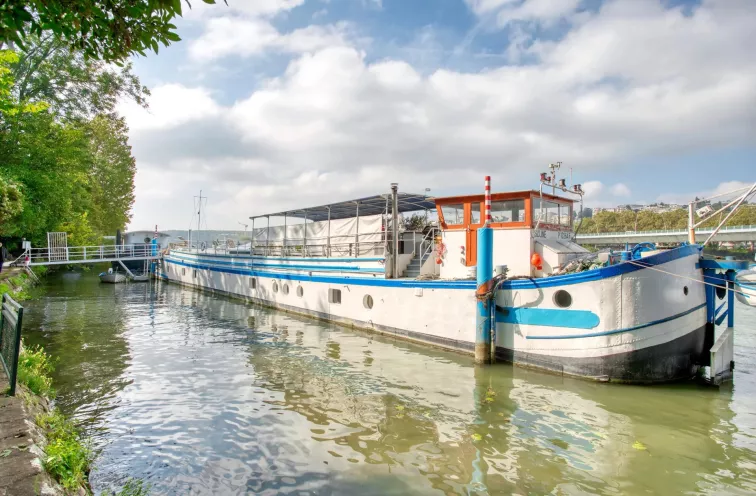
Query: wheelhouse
[(524, 211)]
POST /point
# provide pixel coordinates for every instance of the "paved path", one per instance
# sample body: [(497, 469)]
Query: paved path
[(21, 471)]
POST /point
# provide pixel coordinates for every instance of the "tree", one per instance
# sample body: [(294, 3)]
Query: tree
[(101, 29), (11, 200), (111, 178), (74, 86)]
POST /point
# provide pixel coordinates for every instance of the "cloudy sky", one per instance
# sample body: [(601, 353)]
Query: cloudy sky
[(274, 104)]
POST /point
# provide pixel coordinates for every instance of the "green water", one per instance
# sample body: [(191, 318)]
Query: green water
[(199, 394)]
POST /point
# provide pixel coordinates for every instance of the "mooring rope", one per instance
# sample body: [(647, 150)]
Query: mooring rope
[(688, 278)]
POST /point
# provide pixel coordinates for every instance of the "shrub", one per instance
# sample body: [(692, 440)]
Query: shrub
[(34, 368), (68, 459)]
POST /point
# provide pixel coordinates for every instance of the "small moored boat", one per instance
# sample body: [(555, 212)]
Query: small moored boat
[(112, 277)]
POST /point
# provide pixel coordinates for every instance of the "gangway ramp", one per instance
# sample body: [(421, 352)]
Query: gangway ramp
[(87, 254)]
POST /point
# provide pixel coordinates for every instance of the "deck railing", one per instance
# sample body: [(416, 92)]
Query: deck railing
[(346, 246), (706, 230)]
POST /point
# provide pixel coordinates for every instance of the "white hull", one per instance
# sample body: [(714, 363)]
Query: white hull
[(625, 323), (745, 284)]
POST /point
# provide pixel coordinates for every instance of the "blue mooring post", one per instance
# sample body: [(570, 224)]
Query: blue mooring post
[(730, 298), (483, 320)]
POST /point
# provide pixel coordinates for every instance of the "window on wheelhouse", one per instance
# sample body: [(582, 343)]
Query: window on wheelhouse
[(475, 213), (454, 214), (508, 211), (552, 213)]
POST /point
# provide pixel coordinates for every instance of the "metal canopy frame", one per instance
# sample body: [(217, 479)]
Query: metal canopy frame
[(371, 205)]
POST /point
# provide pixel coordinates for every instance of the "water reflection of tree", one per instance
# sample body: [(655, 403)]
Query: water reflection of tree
[(83, 325)]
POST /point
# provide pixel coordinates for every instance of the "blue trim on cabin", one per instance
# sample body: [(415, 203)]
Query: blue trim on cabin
[(628, 329), (283, 259), (345, 280), (605, 272), (551, 317), (515, 284), (242, 263)]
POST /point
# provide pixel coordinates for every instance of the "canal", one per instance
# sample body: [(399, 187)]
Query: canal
[(200, 394)]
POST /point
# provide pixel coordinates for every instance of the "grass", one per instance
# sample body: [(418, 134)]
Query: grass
[(68, 459), (34, 369)]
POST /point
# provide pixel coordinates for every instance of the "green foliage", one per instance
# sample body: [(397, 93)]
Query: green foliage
[(629, 220), (416, 222), (69, 167), (101, 29), (133, 487), (40, 270), (68, 459), (11, 200), (74, 86), (34, 369)]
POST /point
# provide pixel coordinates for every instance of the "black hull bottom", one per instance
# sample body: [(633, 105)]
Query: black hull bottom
[(675, 360)]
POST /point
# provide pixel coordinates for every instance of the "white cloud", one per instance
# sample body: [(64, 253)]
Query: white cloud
[(252, 8), (632, 81), (597, 194), (486, 6), (543, 11), (621, 190), (723, 189), (226, 36), (171, 105)]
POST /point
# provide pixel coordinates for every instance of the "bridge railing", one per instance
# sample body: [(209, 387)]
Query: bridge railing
[(664, 231), (80, 254)]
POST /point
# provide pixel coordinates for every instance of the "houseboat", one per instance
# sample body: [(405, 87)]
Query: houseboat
[(495, 275)]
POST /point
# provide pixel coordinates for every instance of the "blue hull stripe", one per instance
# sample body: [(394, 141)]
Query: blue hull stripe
[(324, 268), (574, 319), (619, 331)]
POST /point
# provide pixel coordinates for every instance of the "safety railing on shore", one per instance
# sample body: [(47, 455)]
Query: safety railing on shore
[(11, 317)]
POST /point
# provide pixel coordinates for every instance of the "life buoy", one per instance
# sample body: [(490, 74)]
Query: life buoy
[(440, 252), (203, 246)]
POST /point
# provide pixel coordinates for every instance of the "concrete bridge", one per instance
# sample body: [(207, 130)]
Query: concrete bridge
[(733, 234)]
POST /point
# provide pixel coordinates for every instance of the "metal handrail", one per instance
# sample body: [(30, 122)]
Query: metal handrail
[(88, 253), (671, 231)]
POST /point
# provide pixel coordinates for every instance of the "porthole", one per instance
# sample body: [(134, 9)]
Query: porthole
[(252, 283), (685, 290), (285, 289), (367, 301), (562, 299), (275, 287), (300, 291)]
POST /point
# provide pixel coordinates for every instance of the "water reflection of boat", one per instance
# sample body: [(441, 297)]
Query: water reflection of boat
[(505, 430), (112, 277)]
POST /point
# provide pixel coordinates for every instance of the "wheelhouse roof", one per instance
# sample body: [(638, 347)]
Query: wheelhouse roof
[(370, 205), (508, 195)]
